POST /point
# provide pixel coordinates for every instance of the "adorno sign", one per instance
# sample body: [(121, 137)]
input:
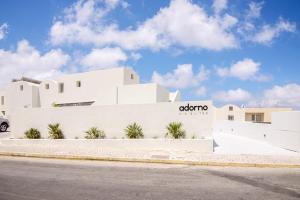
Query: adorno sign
[(189, 107)]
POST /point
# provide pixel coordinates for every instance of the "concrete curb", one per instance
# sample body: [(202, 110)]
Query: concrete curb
[(155, 161)]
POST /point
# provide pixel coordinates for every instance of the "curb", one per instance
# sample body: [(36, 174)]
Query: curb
[(154, 161)]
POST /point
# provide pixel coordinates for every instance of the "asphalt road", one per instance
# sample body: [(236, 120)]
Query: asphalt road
[(38, 179)]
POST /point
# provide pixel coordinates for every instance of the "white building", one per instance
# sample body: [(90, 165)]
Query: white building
[(103, 87), (109, 99)]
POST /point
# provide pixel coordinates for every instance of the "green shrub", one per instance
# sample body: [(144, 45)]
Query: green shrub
[(33, 133), (175, 130), (95, 133), (55, 132), (134, 131)]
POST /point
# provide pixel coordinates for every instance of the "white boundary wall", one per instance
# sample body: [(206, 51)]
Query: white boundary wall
[(113, 119), (284, 131)]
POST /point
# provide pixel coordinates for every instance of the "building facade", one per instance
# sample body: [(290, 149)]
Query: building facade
[(103, 87), (234, 113), (109, 99)]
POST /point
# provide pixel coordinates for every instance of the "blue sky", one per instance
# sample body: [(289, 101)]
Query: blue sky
[(241, 52)]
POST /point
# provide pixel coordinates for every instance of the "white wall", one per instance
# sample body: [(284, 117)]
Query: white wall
[(284, 131), (162, 94), (3, 107), (113, 119), (245, 129), (286, 121), (99, 86), (16, 98), (142, 94), (175, 96), (223, 113)]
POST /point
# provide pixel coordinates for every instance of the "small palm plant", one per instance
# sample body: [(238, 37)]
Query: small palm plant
[(33, 133), (134, 131), (55, 132), (94, 133), (175, 130)]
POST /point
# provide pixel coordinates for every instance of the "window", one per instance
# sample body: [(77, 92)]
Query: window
[(230, 117), (61, 87), (21, 87), (88, 103), (230, 108), (131, 76), (47, 86), (78, 83), (2, 100), (253, 117), (3, 113), (259, 117)]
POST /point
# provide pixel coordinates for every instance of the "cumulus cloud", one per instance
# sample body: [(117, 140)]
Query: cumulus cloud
[(27, 61), (182, 23), (237, 95), (279, 96), (267, 33), (181, 77), (244, 69), (104, 58), (3, 30), (219, 5)]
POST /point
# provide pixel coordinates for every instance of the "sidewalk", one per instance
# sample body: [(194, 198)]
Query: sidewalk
[(150, 156)]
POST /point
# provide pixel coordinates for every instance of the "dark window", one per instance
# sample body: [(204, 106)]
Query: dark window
[(2, 100), (131, 76), (230, 108), (230, 117), (88, 103), (21, 87), (78, 83), (61, 87), (47, 86)]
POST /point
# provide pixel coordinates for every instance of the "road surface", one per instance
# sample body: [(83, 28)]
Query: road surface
[(38, 179)]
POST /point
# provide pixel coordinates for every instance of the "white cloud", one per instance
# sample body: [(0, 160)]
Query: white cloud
[(135, 56), (252, 30), (247, 26), (27, 61), (244, 69), (104, 58), (254, 10), (268, 32), (181, 77), (201, 91), (219, 5), (182, 23), (280, 96), (3, 30), (237, 95)]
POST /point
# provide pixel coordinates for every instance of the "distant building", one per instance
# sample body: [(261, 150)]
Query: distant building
[(234, 113)]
